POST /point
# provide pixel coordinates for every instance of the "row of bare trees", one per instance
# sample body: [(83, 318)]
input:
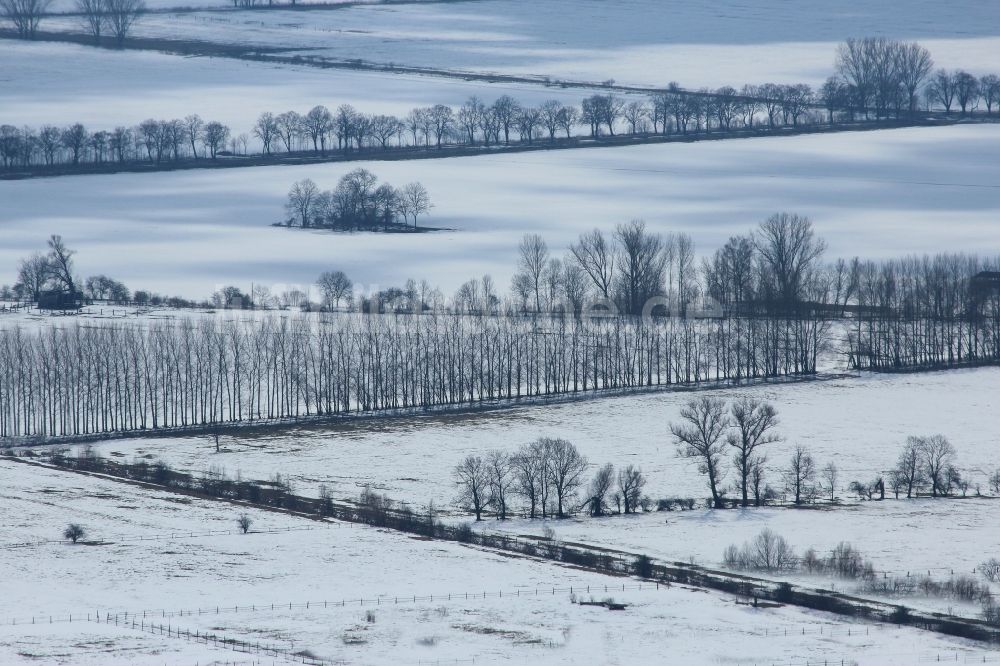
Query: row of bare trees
[(929, 311), (876, 77), (75, 379), (97, 17), (154, 141), (547, 476)]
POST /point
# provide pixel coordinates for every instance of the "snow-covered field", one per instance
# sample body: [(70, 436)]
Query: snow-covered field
[(859, 424), (65, 83), (874, 194), (639, 41), (137, 555), (920, 537)]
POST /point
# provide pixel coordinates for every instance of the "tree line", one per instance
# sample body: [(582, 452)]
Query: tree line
[(875, 78), (74, 380)]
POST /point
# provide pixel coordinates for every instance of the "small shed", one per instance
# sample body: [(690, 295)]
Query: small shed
[(60, 300)]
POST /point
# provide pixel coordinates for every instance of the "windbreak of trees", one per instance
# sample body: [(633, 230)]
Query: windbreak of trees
[(929, 311), (359, 202), (876, 78), (79, 380)]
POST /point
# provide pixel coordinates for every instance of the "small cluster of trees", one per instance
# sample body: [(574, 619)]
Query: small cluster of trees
[(24, 15), (98, 17), (774, 269), (51, 273), (709, 428), (51, 277), (115, 16), (358, 202), (548, 476), (925, 464)]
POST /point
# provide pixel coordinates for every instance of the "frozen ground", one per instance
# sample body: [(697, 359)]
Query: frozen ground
[(138, 559), (874, 194), (638, 41), (65, 83), (859, 424)]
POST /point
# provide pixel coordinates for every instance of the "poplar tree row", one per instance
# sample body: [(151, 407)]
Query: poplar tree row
[(111, 378)]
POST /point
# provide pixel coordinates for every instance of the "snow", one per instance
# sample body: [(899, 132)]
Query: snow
[(860, 424), (874, 194), (65, 83), (638, 42), (919, 537), (137, 551)]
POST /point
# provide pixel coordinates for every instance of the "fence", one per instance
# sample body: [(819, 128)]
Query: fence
[(160, 622), (378, 511)]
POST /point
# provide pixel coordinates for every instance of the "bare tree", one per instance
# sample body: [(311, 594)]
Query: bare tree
[(122, 15), (414, 201), (530, 467), (600, 486), (32, 274), (699, 435), (790, 249), (597, 258), (989, 86), (761, 490), (753, 422), (641, 264), (301, 199), (472, 478), (289, 126), (533, 260), (566, 467), (60, 264), (941, 89), (335, 286), (800, 474), (909, 468), (74, 532), (92, 14), (913, 65), (631, 483), (267, 130), (830, 475), (966, 91), (244, 522), (193, 125), (214, 137), (635, 114), (506, 111), (937, 455), (501, 480)]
